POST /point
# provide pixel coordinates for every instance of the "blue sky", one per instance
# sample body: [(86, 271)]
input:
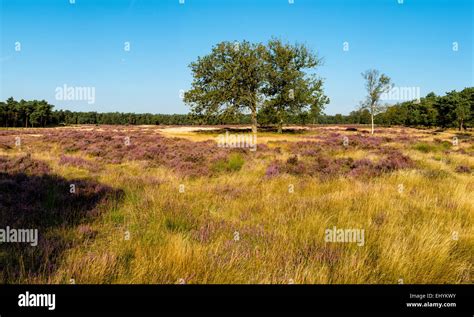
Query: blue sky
[(82, 44)]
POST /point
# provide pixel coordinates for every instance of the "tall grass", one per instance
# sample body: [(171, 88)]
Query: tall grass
[(238, 225)]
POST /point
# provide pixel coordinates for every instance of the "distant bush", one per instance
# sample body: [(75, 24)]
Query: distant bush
[(273, 170), (79, 163), (424, 147), (233, 163), (435, 174), (438, 146), (23, 164), (393, 162), (463, 169), (326, 167)]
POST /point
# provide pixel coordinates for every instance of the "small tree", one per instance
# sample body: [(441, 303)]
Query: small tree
[(376, 84)]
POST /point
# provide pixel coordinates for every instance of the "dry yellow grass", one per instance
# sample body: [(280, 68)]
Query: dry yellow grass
[(243, 228)]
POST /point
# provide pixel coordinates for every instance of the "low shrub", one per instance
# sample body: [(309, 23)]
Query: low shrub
[(273, 169), (437, 146), (327, 167), (463, 169), (233, 163), (79, 163)]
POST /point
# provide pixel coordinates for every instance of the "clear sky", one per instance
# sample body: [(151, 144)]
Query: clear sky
[(82, 44)]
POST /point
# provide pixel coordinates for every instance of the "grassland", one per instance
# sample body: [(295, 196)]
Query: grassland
[(167, 205)]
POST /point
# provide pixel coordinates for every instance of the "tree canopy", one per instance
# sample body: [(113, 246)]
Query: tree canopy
[(243, 77), (288, 89), (228, 81)]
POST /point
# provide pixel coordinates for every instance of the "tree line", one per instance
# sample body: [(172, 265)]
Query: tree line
[(453, 110), (25, 113), (39, 113)]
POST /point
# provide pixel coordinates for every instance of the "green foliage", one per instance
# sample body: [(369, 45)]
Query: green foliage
[(432, 147), (288, 89), (40, 114), (25, 113), (455, 109), (443, 111), (243, 77), (424, 147), (233, 164), (177, 224), (361, 116), (228, 81)]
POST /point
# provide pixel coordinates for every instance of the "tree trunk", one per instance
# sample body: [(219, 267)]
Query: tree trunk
[(372, 120), (254, 120), (280, 123)]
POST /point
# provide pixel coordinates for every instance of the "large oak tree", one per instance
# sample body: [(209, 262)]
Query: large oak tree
[(289, 87), (244, 78), (228, 81)]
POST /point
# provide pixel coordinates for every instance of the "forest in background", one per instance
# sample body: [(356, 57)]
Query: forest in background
[(449, 111)]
